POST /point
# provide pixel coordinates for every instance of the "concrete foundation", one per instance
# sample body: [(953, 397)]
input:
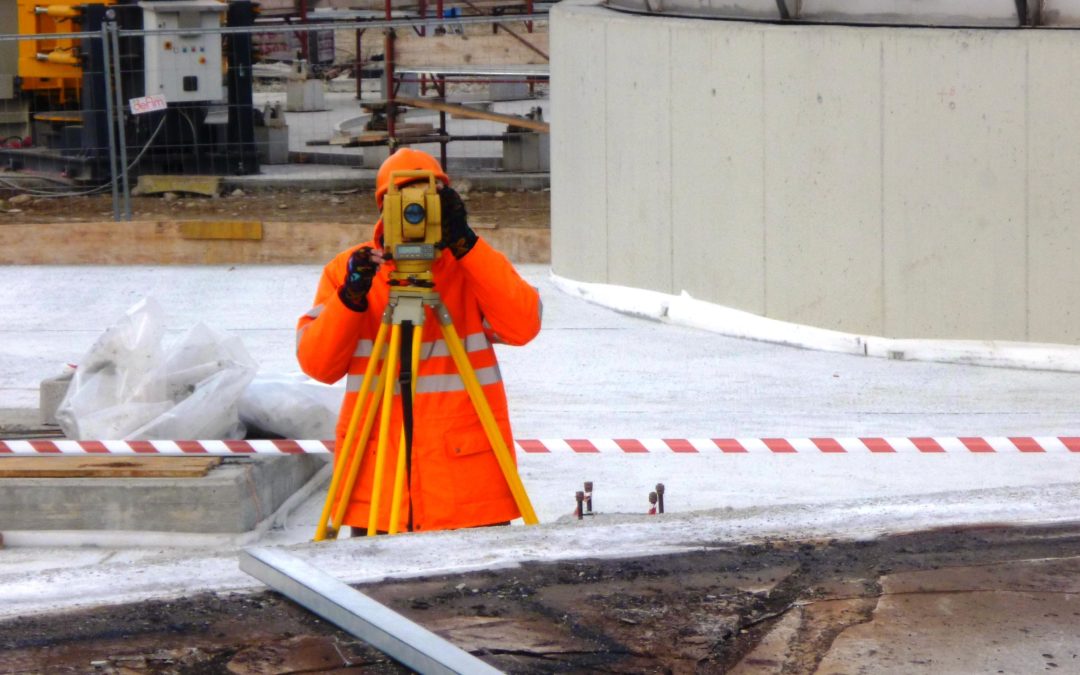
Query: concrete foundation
[(232, 498)]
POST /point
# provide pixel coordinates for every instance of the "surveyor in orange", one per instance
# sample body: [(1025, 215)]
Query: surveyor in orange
[(453, 479)]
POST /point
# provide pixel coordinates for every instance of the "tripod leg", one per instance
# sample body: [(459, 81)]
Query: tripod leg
[(354, 467), (384, 427), (347, 454), (399, 474), (487, 418)]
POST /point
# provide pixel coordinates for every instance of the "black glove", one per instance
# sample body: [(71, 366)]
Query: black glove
[(358, 276), (456, 233)]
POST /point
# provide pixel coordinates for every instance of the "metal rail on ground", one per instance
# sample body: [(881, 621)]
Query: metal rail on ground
[(352, 611)]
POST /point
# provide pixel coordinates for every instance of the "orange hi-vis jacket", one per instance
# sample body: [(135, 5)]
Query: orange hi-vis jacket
[(455, 480)]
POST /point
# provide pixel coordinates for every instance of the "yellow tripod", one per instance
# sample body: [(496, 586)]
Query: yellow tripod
[(406, 305)]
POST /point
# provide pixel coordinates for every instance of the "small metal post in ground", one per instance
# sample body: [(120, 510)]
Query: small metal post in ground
[(580, 497), (660, 497), (588, 497)]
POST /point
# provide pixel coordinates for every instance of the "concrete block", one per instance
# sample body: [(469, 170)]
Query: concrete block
[(375, 155), (304, 96), (51, 393), (508, 91), (529, 152), (272, 144), (232, 498)]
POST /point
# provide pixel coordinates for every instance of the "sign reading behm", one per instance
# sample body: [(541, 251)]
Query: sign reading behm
[(145, 104)]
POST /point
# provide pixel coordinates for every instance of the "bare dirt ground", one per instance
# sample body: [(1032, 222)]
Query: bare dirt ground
[(502, 209), (708, 611)]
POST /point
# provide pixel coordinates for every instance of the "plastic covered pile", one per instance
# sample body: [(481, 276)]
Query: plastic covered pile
[(131, 386)]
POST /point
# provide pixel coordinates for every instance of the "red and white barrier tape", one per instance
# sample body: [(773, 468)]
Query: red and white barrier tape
[(780, 446), (205, 448), (913, 445)]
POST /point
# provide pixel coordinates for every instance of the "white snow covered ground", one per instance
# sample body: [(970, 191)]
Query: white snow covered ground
[(592, 373)]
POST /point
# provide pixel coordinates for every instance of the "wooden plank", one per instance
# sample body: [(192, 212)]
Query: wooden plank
[(134, 242), (498, 49), (106, 467), (200, 185), (222, 229), (515, 71), (351, 139), (487, 4), (456, 110)]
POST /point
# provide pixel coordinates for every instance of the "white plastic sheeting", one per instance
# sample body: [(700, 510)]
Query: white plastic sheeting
[(291, 406), (129, 385)]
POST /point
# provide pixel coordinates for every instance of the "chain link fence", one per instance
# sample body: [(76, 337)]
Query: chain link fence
[(159, 96)]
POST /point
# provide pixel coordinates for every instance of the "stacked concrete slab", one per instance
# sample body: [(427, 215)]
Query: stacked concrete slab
[(232, 498)]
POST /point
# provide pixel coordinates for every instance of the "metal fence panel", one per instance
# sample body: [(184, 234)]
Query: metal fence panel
[(202, 89)]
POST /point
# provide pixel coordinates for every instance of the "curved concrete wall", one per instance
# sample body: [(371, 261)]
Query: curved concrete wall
[(982, 13), (903, 182)]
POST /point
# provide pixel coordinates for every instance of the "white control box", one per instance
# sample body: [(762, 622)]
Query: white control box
[(184, 66)]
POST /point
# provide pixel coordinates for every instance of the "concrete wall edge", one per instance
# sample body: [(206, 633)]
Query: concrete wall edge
[(684, 310)]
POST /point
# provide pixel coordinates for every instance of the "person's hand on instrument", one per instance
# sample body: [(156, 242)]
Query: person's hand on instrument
[(456, 233), (363, 265)]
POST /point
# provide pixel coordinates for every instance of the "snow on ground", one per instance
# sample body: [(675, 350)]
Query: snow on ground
[(592, 373)]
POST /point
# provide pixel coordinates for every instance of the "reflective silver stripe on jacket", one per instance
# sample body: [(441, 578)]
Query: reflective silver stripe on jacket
[(494, 336), (363, 349), (434, 384), (313, 313), (476, 342)]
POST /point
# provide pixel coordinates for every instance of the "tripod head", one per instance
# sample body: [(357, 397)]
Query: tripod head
[(412, 227)]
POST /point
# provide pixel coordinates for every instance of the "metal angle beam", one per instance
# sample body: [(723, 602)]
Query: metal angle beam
[(430, 22), (406, 642)]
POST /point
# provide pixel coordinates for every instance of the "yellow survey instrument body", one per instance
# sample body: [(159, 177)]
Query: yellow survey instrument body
[(412, 227)]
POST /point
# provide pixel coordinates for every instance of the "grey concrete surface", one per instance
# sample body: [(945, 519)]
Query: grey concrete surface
[(16, 421), (232, 498), (1011, 617), (902, 182)]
